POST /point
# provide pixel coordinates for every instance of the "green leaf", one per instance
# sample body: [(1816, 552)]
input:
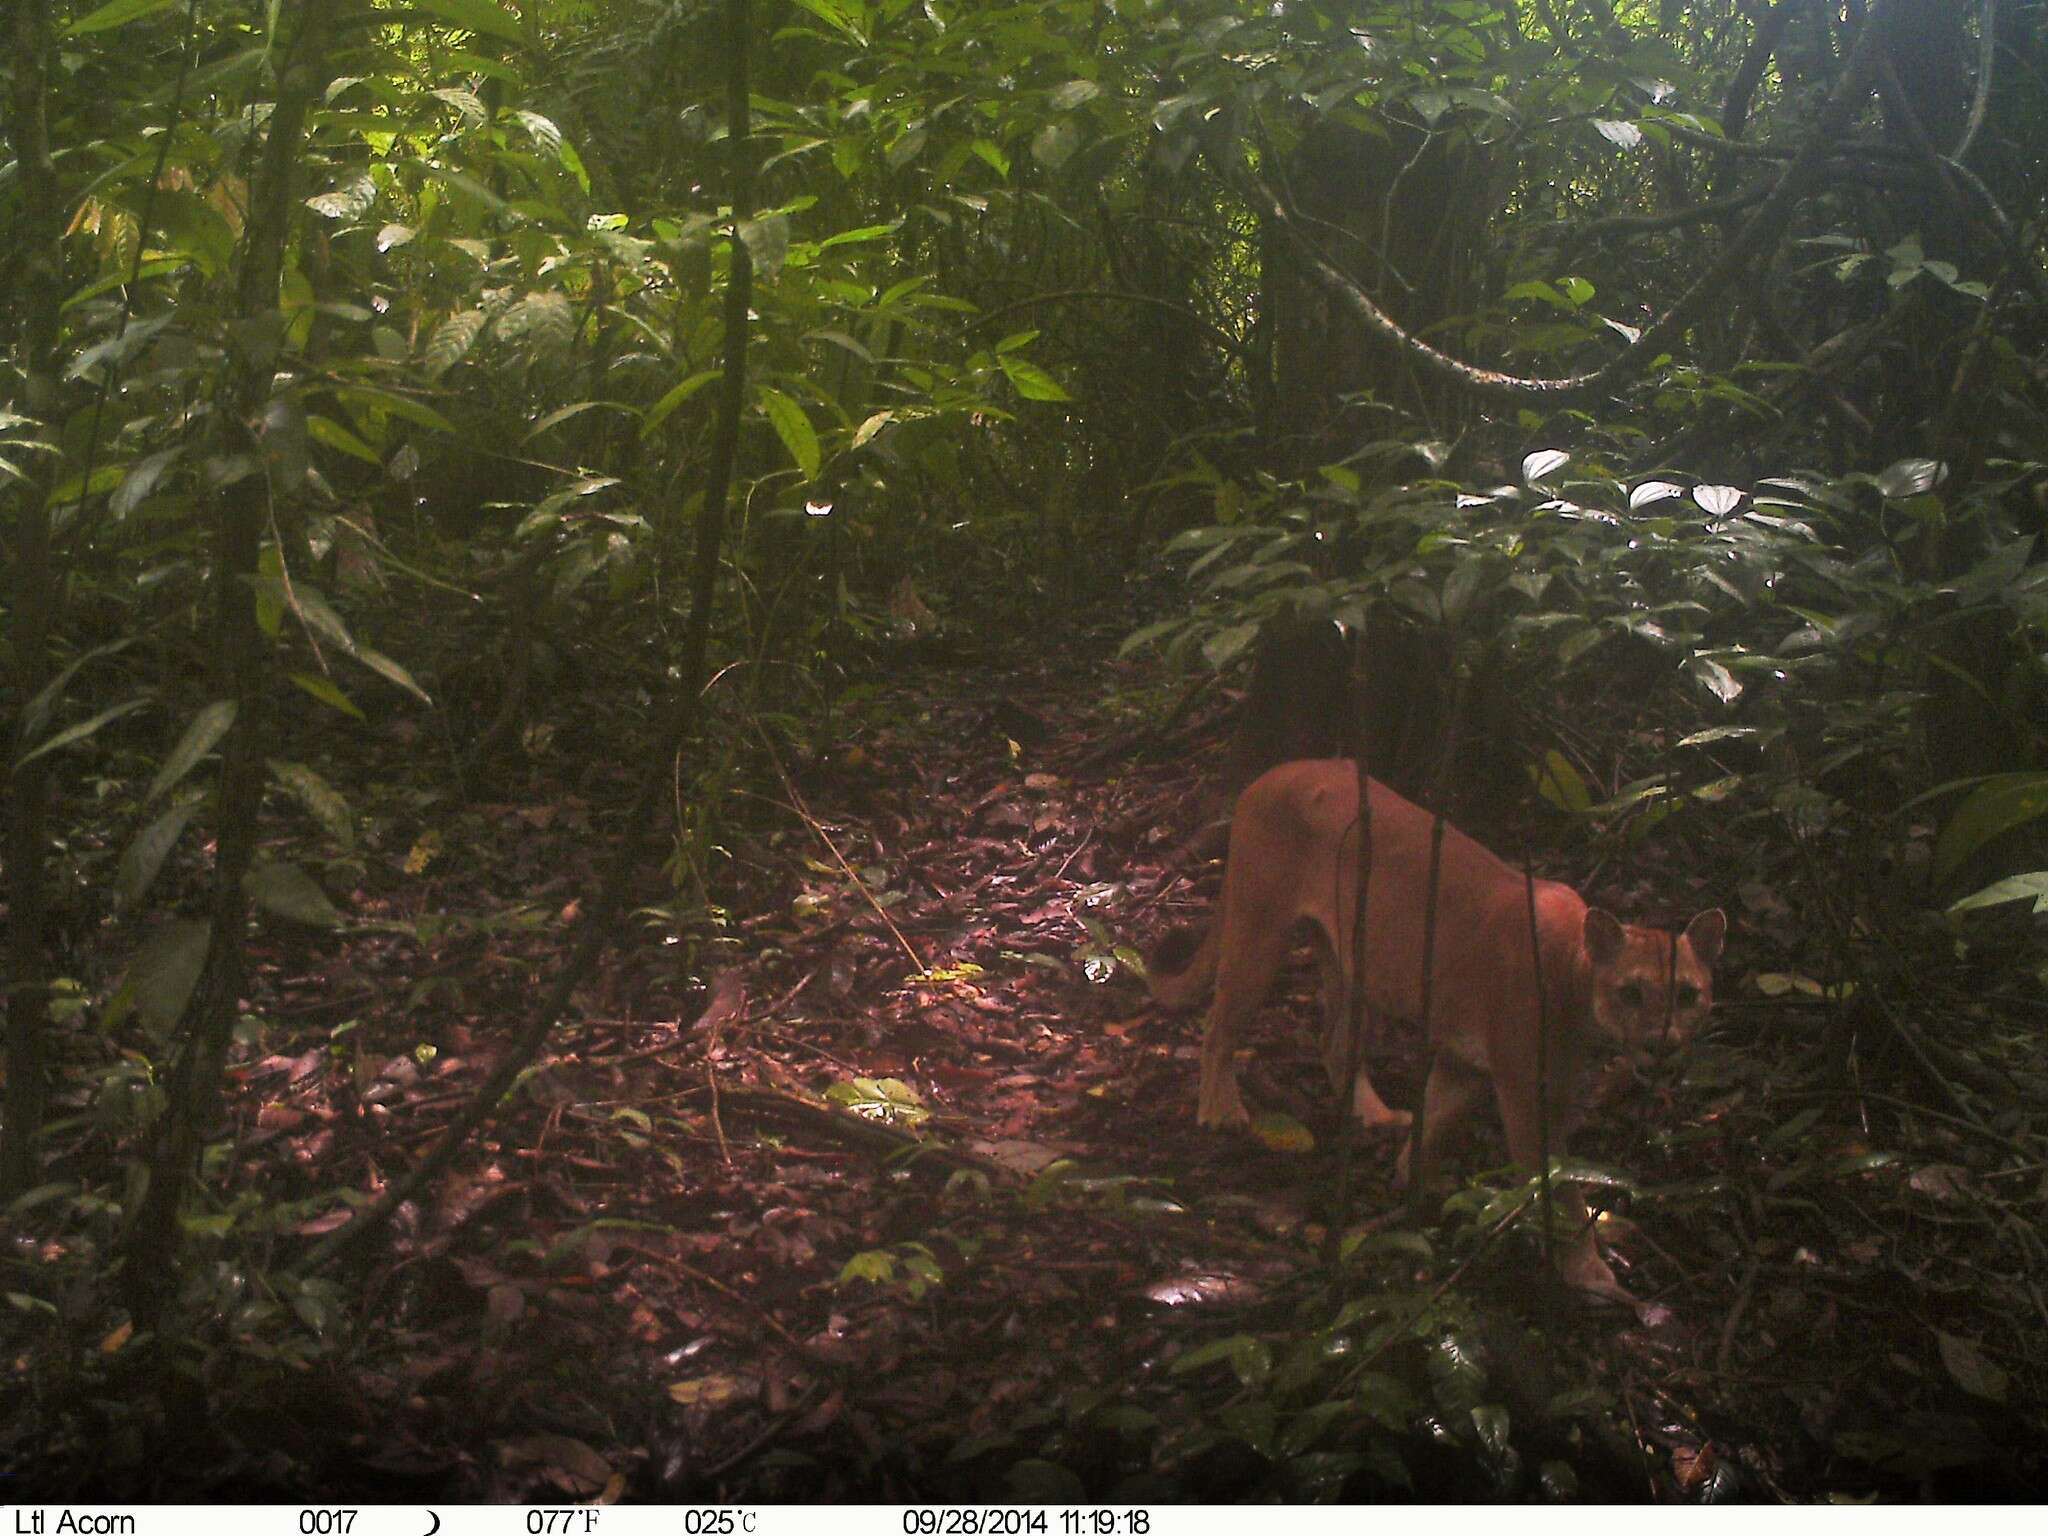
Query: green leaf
[(143, 475), (200, 738), (1227, 645), (1995, 808), (1558, 782), (1911, 477), (1030, 380), (2029, 887), (665, 407), (113, 14), (834, 14), (144, 857), (79, 732), (161, 977), (1282, 1133), (1054, 144), (286, 891), (475, 16), (392, 672), (451, 341), (794, 428), (37, 713), (371, 400), (320, 800), (332, 434), (1456, 1377), (325, 691)]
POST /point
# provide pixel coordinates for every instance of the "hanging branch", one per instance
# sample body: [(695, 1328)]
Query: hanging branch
[(1987, 55), (1742, 89), (1755, 241), (1356, 1009), (600, 920), (1542, 1058)]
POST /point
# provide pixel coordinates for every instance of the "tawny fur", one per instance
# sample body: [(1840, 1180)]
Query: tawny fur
[(1606, 986)]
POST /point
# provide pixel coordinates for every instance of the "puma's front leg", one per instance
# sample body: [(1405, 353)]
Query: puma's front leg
[(1578, 1257), (1452, 1090)]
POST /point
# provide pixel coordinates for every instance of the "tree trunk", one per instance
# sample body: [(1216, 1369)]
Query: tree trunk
[(40, 275), (149, 1275)]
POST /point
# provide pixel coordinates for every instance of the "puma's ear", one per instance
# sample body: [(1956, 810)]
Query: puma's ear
[(1604, 936), (1705, 933)]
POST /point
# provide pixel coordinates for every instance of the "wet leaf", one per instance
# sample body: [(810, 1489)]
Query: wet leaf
[(1282, 1133)]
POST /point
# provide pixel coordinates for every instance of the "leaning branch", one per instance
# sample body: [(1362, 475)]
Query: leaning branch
[(1757, 238)]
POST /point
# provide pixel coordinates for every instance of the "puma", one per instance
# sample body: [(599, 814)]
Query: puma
[(1606, 986)]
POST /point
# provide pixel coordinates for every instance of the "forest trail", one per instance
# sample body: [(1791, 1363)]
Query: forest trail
[(913, 1205)]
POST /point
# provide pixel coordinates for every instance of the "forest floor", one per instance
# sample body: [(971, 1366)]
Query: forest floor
[(909, 1202)]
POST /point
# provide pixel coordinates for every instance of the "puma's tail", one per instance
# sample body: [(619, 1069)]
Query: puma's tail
[(1181, 970)]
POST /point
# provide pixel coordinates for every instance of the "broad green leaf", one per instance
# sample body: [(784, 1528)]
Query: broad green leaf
[(321, 800), (1456, 1376), (392, 672), (79, 732), (834, 13), (451, 342), (1225, 646), (1994, 808), (113, 14), (665, 407), (143, 475), (2029, 887), (1032, 381), (205, 731), (1911, 477), (161, 977), (1544, 463), (371, 400), (325, 691), (1558, 782), (1280, 1132), (794, 428), (332, 434), (286, 891), (145, 854), (476, 16), (37, 714), (1054, 144)]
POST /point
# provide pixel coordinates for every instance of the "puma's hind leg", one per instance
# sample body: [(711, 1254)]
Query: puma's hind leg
[(1251, 951)]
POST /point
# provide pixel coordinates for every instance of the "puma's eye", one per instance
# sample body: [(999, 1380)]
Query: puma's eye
[(1688, 995), (1631, 994)]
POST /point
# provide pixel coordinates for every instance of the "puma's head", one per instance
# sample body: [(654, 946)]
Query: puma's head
[(1636, 999)]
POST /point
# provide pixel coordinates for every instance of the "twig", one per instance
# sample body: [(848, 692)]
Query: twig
[(796, 803), (1742, 1294)]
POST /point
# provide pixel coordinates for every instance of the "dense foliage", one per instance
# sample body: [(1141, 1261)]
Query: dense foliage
[(438, 405)]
